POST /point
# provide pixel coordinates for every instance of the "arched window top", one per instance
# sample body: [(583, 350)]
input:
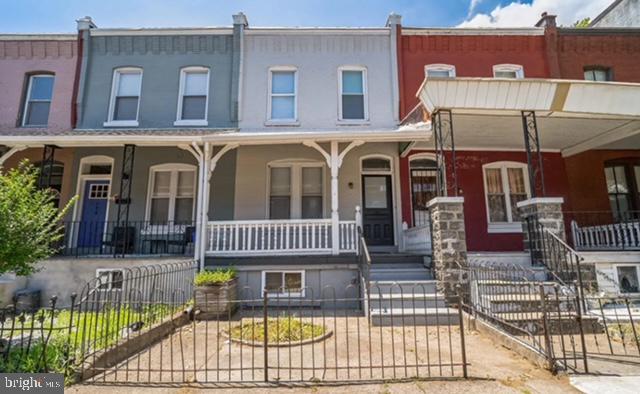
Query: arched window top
[(440, 70), (512, 71), (376, 164), (423, 163)]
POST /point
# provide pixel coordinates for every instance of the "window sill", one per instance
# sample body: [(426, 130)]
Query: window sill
[(504, 228), (353, 123), (284, 295), (191, 123), (284, 123), (121, 123)]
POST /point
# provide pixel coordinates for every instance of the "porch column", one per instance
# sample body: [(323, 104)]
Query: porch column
[(538, 214), (46, 165), (335, 216), (534, 156), (124, 201), (443, 136), (449, 243), (204, 196)]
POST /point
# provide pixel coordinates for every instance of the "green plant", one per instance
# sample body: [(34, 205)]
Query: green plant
[(583, 23), (29, 220), (215, 277), (279, 330)]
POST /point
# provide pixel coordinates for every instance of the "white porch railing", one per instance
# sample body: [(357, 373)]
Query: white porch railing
[(619, 236), (277, 237)]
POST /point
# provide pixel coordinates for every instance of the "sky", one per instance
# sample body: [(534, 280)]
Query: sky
[(58, 16)]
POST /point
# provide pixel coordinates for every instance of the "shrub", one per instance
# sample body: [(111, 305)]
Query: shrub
[(215, 277)]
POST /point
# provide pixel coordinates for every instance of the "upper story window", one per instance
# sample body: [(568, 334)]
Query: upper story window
[(505, 184), (512, 71), (125, 97), (597, 74), (193, 97), (440, 71), (283, 89), (38, 100), (172, 190), (353, 94)]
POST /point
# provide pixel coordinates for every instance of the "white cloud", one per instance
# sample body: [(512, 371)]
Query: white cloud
[(472, 7), (517, 14)]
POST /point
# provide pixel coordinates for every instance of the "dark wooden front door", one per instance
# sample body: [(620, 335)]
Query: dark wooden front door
[(377, 211)]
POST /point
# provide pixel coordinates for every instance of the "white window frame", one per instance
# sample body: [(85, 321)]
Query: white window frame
[(451, 69), (100, 271), (365, 92), (517, 68), (293, 121), (174, 168), (509, 226), (617, 278), (183, 75), (296, 166), (299, 294), (112, 100), (27, 100)]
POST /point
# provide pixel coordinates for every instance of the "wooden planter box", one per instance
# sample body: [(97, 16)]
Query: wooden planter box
[(217, 301)]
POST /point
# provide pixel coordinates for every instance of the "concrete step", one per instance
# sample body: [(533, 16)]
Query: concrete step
[(406, 301), (403, 287), (395, 258), (400, 274), (419, 317), (514, 287), (559, 323), (518, 303), (398, 265)]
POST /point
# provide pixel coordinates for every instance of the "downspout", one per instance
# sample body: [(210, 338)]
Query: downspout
[(239, 24), (84, 51), (393, 23)]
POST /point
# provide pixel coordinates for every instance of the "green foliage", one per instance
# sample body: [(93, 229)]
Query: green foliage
[(624, 332), (279, 330), (583, 23), (29, 221), (215, 277)]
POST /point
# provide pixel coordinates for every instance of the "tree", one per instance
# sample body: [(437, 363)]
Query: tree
[(582, 23), (30, 224)]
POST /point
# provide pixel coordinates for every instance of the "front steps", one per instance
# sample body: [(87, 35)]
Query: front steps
[(403, 292)]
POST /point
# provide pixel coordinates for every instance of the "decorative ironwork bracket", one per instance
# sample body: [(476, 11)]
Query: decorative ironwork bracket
[(46, 166), (534, 156), (443, 132)]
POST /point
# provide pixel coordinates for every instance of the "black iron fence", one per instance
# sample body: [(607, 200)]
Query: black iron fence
[(88, 238), (118, 306), (282, 337), (604, 230)]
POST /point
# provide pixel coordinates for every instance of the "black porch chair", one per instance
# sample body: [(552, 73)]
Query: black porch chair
[(122, 240)]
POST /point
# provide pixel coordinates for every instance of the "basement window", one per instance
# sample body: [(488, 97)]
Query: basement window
[(109, 279), (283, 283), (627, 278)]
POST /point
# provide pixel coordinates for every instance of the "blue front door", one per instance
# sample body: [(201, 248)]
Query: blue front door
[(94, 208)]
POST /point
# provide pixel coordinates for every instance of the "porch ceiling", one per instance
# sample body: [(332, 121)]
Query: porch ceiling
[(572, 116)]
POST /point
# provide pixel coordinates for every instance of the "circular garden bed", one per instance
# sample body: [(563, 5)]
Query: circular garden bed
[(281, 331)]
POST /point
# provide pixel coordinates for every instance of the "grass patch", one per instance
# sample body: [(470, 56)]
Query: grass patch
[(623, 332), (280, 330), (215, 277)]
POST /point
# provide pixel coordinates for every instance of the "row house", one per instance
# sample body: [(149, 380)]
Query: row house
[(272, 149)]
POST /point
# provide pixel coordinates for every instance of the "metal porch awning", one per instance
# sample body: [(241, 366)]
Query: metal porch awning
[(572, 116)]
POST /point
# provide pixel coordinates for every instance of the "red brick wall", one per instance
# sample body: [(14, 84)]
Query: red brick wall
[(473, 56), (470, 180)]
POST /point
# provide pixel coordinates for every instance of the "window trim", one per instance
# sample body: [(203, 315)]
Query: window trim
[(112, 99), (173, 188), (295, 204), (287, 122), (365, 93), (509, 226), (27, 99), (440, 67), (183, 75), (110, 282), (390, 171), (617, 278), (303, 282), (518, 68)]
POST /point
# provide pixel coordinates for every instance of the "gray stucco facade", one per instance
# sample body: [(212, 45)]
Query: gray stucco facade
[(621, 13)]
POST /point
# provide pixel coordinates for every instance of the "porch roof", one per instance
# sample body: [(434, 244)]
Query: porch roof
[(572, 116)]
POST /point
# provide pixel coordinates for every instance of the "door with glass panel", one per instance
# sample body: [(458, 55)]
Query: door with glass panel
[(623, 188), (377, 211)]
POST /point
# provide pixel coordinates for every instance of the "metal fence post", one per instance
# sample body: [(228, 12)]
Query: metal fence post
[(265, 341), (545, 327), (463, 347)]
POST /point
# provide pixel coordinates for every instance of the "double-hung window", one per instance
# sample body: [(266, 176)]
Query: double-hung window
[(505, 185), (601, 74), (193, 97), (283, 87), (296, 191), (172, 194), (38, 100), (125, 97), (509, 71), (440, 71), (353, 94)]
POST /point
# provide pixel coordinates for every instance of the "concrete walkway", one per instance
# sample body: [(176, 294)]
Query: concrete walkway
[(606, 384)]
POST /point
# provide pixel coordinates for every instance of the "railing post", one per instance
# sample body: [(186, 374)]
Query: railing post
[(545, 327), (463, 347), (265, 341)]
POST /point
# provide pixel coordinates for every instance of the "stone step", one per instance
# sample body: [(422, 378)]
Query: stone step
[(514, 287), (419, 317), (559, 323), (404, 287), (504, 303), (400, 274), (406, 301)]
